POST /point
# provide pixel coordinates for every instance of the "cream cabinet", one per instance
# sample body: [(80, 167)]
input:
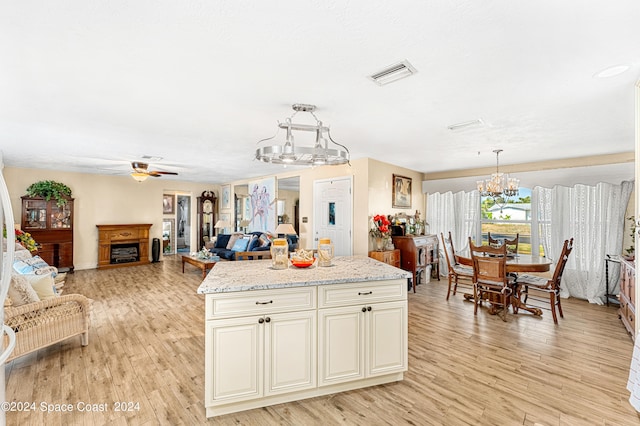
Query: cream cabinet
[(365, 337), (253, 356), (357, 342), (271, 346)]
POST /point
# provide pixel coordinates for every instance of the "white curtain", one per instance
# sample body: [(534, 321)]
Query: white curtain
[(458, 213), (594, 217)]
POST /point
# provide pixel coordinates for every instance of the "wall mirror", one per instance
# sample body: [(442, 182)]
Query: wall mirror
[(287, 205), (167, 236)]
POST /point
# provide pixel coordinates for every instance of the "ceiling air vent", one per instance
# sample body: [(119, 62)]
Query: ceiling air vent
[(393, 73)]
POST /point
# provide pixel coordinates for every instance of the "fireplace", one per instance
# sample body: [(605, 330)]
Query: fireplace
[(123, 245), (124, 253)]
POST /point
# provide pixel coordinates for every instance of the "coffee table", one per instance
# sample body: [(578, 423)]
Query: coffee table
[(204, 264)]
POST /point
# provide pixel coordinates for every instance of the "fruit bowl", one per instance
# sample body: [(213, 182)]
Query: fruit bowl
[(302, 263)]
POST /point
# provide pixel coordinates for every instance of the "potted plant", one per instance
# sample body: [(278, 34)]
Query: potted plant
[(50, 189)]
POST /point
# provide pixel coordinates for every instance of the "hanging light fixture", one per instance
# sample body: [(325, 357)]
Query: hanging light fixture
[(499, 185), (290, 153)]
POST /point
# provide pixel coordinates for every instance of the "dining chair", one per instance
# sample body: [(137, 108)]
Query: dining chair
[(512, 245), (490, 279), (457, 271), (548, 286)]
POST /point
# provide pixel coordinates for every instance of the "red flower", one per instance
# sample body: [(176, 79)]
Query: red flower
[(380, 226)]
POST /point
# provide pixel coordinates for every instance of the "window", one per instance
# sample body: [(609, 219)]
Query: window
[(506, 218)]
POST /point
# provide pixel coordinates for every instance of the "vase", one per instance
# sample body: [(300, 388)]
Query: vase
[(380, 243)]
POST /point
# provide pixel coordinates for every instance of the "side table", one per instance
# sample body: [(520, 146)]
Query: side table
[(390, 257)]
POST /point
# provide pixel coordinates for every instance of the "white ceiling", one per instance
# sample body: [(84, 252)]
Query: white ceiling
[(90, 85)]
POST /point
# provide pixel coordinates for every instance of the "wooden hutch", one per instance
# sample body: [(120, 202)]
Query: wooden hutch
[(51, 226)]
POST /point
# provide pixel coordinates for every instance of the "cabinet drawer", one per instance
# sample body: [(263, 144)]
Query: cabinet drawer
[(365, 292), (226, 305)]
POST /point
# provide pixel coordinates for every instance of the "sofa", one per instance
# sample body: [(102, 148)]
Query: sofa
[(227, 245)]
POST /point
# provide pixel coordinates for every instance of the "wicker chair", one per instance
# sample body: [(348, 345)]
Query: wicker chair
[(40, 324)]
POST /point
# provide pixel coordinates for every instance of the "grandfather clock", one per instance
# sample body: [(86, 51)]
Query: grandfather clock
[(206, 217)]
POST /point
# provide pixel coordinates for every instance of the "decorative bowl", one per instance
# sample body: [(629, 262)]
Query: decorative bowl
[(302, 263)]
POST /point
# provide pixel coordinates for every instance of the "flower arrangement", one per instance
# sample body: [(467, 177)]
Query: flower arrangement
[(380, 227), (26, 240)]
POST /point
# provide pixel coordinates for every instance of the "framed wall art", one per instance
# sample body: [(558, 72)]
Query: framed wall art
[(168, 205), (225, 198), (401, 192), (263, 205)]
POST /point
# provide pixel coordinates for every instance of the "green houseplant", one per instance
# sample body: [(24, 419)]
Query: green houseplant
[(50, 189)]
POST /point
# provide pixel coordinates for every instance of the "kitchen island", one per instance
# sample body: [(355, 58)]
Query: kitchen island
[(275, 336)]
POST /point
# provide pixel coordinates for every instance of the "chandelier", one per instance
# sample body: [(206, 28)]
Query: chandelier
[(499, 185), (289, 153)]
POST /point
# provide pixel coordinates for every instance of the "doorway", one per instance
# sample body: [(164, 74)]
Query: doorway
[(333, 213), (183, 224)]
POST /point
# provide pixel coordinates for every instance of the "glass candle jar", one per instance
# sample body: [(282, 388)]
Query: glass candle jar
[(279, 254), (325, 252)]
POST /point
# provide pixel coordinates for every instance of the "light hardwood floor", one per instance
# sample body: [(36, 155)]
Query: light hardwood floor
[(146, 346)]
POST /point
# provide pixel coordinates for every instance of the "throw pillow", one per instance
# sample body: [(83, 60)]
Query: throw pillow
[(20, 291), (222, 240), (264, 240), (232, 240), (34, 265), (43, 285), (22, 267), (240, 244), (22, 255)]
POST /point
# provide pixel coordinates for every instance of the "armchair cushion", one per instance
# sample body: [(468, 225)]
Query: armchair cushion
[(44, 285), (21, 292)]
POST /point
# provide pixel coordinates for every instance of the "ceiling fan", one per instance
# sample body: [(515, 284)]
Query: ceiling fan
[(141, 172)]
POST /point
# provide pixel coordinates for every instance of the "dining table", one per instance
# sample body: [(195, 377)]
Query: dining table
[(516, 263)]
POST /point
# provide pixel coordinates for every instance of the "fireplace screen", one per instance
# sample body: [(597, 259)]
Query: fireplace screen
[(124, 253)]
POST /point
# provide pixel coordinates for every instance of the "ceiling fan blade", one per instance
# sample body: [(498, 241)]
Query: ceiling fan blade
[(162, 173)]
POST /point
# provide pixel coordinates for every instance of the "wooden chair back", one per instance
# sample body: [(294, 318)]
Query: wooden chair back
[(253, 255), (457, 273), (562, 262), (489, 264), (449, 252), (490, 280), (512, 244)]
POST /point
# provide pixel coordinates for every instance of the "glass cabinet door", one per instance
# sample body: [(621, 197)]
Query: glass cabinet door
[(35, 214), (60, 216)]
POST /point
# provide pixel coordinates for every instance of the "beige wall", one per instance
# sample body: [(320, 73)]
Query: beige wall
[(372, 194), (103, 199)]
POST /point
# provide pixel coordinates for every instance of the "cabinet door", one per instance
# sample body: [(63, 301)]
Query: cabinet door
[(340, 344), (290, 352), (233, 360), (386, 338)]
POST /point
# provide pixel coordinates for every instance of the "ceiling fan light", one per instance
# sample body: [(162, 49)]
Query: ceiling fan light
[(140, 177)]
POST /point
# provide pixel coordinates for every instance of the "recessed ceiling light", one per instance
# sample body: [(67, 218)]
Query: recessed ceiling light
[(612, 71)]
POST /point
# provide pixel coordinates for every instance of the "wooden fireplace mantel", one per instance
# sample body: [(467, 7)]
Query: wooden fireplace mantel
[(108, 235)]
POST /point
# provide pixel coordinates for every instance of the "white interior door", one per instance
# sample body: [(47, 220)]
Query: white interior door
[(333, 213)]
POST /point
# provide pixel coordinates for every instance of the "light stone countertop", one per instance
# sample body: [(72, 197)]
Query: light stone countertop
[(249, 275)]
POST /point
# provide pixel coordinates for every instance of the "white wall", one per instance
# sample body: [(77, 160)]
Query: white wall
[(104, 199)]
